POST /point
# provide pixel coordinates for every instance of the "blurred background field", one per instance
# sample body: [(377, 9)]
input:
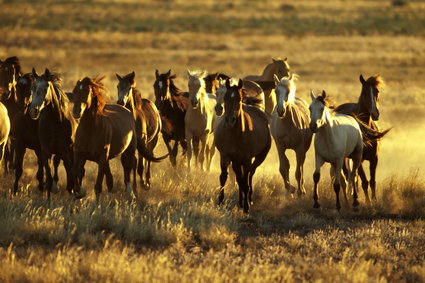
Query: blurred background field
[(175, 230)]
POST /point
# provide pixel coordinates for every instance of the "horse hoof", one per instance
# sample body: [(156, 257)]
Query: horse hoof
[(316, 205), (80, 194)]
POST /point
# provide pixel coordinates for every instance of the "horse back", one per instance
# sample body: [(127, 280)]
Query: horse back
[(347, 109)]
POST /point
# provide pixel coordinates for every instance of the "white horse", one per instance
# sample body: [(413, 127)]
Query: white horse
[(337, 137), (289, 126), (199, 120)]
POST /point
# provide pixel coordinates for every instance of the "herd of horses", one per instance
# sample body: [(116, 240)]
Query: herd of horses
[(238, 117)]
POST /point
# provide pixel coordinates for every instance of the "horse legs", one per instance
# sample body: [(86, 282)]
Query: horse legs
[(40, 171), (19, 160), (246, 168), (316, 178), (337, 167), (284, 168), (67, 163), (102, 163), (129, 163), (257, 162), (189, 149), (373, 165), (357, 159), (140, 169), (224, 164), (299, 173), (78, 170), (109, 178), (365, 183), (49, 178), (203, 151), (237, 168), (56, 162), (211, 153), (195, 143), (171, 151), (151, 146)]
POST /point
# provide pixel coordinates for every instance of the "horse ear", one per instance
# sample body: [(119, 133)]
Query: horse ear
[(323, 93), (240, 83), (118, 77), (274, 60), (276, 80), (227, 83), (169, 73), (286, 59), (362, 80), (47, 73), (156, 74), (204, 73), (34, 73), (132, 76), (313, 97)]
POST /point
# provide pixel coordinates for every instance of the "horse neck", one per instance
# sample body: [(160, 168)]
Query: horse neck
[(327, 129), (363, 112), (267, 74), (131, 105)]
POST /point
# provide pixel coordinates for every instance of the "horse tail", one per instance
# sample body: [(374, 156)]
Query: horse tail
[(146, 153), (369, 134)]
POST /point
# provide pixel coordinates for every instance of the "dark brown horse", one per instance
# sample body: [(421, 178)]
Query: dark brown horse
[(104, 132), (25, 133), (10, 71), (367, 111), (56, 126), (172, 105), (212, 82), (146, 116), (242, 138)]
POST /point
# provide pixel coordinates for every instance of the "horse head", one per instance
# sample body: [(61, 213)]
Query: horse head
[(89, 94), (161, 88), (317, 110), (42, 93), (125, 88), (9, 71), (23, 91), (285, 92), (369, 97), (196, 86), (232, 102)]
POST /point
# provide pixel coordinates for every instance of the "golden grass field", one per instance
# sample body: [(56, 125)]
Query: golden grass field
[(175, 231)]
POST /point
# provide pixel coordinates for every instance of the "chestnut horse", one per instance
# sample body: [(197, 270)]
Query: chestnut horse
[(172, 105), (243, 139), (212, 82), (146, 116), (56, 126), (289, 127), (277, 67), (367, 111), (104, 132), (10, 71)]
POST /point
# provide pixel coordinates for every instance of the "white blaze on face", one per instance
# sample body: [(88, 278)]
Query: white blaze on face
[(81, 87), (282, 93), (160, 85)]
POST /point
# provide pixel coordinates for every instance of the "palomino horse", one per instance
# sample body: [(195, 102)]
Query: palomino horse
[(56, 127), (4, 129), (289, 126), (337, 137), (199, 120), (172, 104), (146, 116), (243, 139), (10, 71), (367, 111), (278, 67), (25, 134), (104, 132)]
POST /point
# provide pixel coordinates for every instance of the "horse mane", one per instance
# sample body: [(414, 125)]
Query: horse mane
[(99, 92), (137, 96), (14, 60), (376, 81), (60, 99), (327, 101)]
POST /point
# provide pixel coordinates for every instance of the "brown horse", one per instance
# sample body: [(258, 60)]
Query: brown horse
[(104, 132), (146, 116), (277, 67), (10, 71), (367, 111), (56, 127), (243, 139), (172, 104)]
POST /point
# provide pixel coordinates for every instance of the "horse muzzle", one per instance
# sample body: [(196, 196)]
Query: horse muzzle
[(218, 110), (281, 112), (34, 112), (375, 115), (194, 104)]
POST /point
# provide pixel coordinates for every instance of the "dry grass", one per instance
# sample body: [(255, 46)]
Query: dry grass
[(175, 231)]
